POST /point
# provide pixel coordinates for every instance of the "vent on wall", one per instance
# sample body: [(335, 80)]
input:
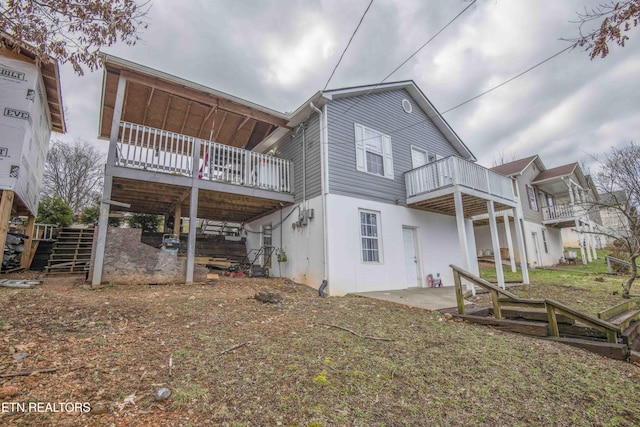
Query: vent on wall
[(406, 106)]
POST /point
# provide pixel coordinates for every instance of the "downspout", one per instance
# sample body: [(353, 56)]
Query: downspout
[(304, 165), (324, 173)]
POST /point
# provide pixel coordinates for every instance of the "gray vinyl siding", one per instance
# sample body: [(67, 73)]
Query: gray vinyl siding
[(381, 112), (528, 175), (290, 148)]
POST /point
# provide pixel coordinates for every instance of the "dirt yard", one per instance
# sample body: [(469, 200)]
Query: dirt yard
[(231, 360)]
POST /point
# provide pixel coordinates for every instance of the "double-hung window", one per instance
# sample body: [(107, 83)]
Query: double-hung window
[(370, 236), (373, 152), (533, 202)]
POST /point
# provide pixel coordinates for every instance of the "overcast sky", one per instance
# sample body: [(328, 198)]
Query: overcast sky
[(278, 53)]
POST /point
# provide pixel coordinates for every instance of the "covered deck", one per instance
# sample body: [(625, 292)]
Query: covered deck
[(180, 149), (457, 187)]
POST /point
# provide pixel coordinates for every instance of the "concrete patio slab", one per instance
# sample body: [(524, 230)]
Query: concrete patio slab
[(428, 298)]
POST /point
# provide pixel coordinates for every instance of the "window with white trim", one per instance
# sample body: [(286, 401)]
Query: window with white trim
[(533, 202), (419, 157), (373, 152), (370, 236), (544, 241)]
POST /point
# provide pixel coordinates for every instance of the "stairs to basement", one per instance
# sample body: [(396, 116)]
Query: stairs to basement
[(71, 253)]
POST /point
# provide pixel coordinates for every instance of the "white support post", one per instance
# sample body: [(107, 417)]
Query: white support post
[(593, 241), (193, 214), (580, 242), (507, 231), (462, 234), (191, 242), (588, 244), (103, 221), (520, 239), (493, 229)]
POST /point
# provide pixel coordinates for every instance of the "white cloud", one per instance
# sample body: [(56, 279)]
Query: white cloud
[(292, 57)]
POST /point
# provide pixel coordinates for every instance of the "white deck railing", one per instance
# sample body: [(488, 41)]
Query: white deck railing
[(456, 171), (157, 150), (562, 211)]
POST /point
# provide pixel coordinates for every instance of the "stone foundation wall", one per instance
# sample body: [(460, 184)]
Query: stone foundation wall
[(129, 261)]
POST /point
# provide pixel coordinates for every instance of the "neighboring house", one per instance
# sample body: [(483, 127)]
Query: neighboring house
[(367, 188), (614, 222), (553, 204), (31, 108)]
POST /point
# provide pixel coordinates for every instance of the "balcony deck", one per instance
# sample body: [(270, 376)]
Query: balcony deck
[(432, 187), (562, 215), (154, 171)]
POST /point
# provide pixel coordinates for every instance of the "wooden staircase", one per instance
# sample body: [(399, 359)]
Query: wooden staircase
[(71, 253), (614, 333)]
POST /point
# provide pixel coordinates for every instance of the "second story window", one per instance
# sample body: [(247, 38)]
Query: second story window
[(373, 152), (533, 202)]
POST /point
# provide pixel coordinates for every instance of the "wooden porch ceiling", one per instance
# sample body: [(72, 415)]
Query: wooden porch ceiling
[(445, 205), (165, 102), (159, 199)]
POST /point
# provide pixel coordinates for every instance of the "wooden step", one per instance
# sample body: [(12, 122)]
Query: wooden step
[(613, 351), (617, 309), (631, 333), (537, 329), (625, 319), (534, 315)]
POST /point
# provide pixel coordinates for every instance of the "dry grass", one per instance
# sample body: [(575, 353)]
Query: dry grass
[(293, 369)]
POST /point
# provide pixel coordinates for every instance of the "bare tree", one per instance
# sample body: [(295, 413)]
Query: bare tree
[(73, 172), (618, 182), (72, 30), (501, 157), (615, 20)]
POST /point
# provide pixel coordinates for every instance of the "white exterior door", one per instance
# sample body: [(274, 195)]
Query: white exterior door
[(412, 269), (418, 157), (536, 248)]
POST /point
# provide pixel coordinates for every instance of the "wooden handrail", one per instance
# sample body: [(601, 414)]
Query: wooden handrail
[(610, 258), (493, 289), (553, 307)]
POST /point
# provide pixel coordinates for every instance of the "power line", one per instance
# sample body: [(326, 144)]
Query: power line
[(477, 96), (427, 42), (347, 47), (508, 81), (413, 54)]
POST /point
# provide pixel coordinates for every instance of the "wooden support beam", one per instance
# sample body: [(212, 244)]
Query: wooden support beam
[(6, 204), (27, 254), (224, 117), (146, 108), (177, 214), (205, 119), (166, 111), (497, 312), (459, 295), (186, 116), (253, 126)]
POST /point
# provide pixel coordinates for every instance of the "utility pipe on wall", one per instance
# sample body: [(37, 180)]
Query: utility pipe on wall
[(324, 185)]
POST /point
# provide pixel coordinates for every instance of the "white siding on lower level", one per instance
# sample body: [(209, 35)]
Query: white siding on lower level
[(303, 245), (437, 237)]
